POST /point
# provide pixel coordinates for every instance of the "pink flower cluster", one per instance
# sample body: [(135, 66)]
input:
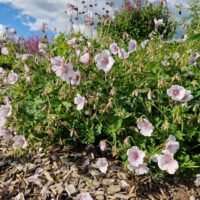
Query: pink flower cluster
[(179, 93), (116, 50), (65, 71), (166, 161), (136, 161)]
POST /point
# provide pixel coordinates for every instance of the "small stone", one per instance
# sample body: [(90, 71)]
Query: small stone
[(65, 160), (2, 163), (54, 158), (94, 172), (82, 185), (95, 183), (108, 181), (70, 189), (121, 175), (100, 197), (48, 176), (114, 189), (98, 193), (121, 196)]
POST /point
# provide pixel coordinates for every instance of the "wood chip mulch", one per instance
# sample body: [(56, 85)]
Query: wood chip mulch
[(61, 173)]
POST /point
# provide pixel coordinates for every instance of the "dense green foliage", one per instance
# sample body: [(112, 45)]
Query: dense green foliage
[(139, 23), (43, 108)]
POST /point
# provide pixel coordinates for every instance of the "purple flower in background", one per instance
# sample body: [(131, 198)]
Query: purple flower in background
[(32, 44)]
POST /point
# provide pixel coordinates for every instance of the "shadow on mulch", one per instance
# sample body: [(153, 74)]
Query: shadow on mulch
[(145, 187)]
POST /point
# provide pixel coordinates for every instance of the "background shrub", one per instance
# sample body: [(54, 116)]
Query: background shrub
[(138, 22)]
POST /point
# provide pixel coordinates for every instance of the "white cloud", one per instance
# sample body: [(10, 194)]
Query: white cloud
[(53, 12)]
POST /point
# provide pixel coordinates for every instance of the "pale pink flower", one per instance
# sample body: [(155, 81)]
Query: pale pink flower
[(2, 32), (12, 78), (144, 43), (102, 164), (3, 121), (145, 126), (154, 158), (176, 56), (78, 52), (140, 170), (176, 92), (71, 8), (39, 170), (171, 145), (19, 142), (167, 163), (132, 45), (89, 44), (26, 69), (158, 22), (80, 101), (135, 156), (71, 42), (74, 78), (25, 56), (44, 27), (34, 179), (4, 51), (123, 54), (57, 61), (28, 79), (11, 31), (2, 71), (64, 71), (179, 93), (84, 196), (85, 59), (45, 192), (41, 47), (5, 110), (20, 196), (5, 134), (187, 96), (104, 61), (88, 16), (103, 145), (114, 48), (165, 63), (124, 184), (197, 181)]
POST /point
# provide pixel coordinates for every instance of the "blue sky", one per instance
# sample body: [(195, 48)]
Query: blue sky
[(11, 17), (27, 16)]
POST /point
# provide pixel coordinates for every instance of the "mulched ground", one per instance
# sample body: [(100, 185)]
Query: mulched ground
[(62, 173)]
